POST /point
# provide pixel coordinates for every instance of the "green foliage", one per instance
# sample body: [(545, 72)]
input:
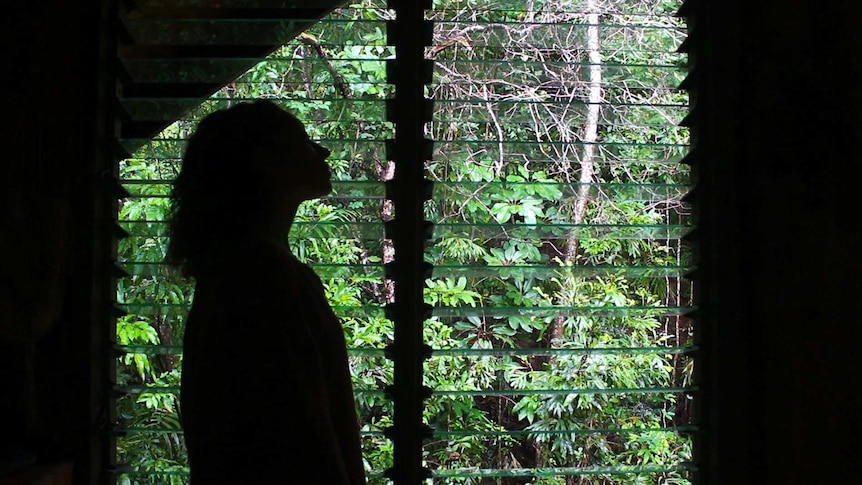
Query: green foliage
[(511, 159)]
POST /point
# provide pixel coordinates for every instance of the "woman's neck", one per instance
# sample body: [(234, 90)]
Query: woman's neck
[(279, 228)]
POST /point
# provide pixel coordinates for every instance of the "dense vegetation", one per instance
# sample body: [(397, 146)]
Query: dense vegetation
[(557, 288)]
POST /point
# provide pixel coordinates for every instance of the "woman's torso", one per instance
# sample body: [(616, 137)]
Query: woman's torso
[(260, 343)]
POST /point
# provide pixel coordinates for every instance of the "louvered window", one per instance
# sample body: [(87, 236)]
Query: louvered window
[(331, 73), (506, 227), (558, 281)]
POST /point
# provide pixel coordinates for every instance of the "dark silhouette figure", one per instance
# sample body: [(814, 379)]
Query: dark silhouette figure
[(266, 392)]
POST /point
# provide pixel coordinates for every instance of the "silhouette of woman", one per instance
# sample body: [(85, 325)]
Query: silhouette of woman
[(266, 396)]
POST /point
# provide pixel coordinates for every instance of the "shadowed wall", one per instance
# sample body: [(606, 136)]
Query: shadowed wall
[(777, 205)]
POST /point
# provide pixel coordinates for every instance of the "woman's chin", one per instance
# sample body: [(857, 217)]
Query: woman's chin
[(319, 191), (326, 188)]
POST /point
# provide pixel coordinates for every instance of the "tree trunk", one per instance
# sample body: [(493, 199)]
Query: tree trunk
[(588, 155), (556, 334)]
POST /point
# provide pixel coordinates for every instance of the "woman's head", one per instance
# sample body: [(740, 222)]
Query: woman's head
[(245, 170)]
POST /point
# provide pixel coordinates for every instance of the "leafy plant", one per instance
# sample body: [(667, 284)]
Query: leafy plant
[(553, 295)]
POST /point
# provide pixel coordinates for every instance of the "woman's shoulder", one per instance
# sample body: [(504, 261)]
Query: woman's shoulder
[(267, 254)]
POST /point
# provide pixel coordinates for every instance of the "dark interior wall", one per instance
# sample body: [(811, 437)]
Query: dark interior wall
[(809, 258), (777, 205), (781, 240), (53, 275)]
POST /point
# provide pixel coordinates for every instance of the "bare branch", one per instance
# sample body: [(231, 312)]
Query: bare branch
[(337, 79)]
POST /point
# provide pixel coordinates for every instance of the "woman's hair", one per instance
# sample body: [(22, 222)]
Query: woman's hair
[(218, 197)]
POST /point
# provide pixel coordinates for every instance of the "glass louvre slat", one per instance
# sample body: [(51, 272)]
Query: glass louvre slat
[(156, 108), (442, 66), (652, 86), (156, 389), (169, 163), (503, 33), (447, 434), (552, 29), (546, 351), (489, 115), (374, 474), (182, 309), (375, 230), (159, 431), (481, 115), (555, 311), (483, 150), (248, 31), (167, 152), (327, 271), (487, 151), (650, 9), (550, 231), (315, 85), (148, 430), (656, 10), (175, 389), (358, 149), (539, 147), (611, 158), (174, 147), (559, 471), (178, 349), (149, 388), (522, 432), (525, 71), (251, 4), (620, 114), (149, 349), (339, 230), (437, 353), (152, 473), (255, 15), (561, 392), (545, 271), (207, 70), (446, 190)]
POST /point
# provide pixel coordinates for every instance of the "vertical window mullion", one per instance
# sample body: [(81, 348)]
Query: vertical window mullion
[(409, 234)]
